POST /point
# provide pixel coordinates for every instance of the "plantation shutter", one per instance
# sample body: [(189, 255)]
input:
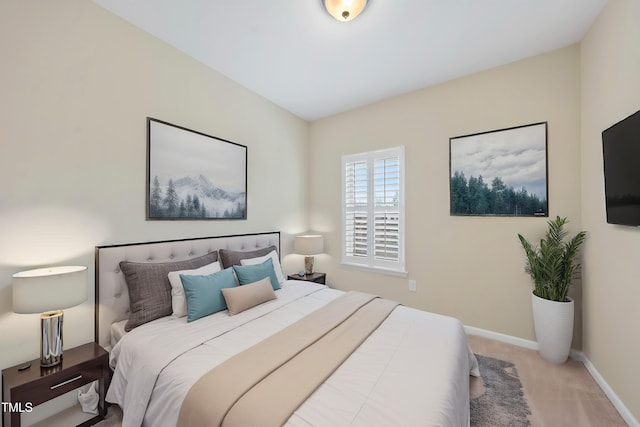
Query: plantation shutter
[(386, 208), (373, 209), (356, 211)]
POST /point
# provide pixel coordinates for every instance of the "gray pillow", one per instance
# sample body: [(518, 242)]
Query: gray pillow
[(230, 258), (150, 289)]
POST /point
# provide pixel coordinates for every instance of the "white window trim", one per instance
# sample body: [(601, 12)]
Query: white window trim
[(368, 262)]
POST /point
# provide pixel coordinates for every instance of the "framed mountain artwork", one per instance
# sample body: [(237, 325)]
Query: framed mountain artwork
[(194, 176), (500, 173)]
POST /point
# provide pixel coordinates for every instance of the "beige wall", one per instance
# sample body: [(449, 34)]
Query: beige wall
[(77, 85), (610, 55), (467, 267)]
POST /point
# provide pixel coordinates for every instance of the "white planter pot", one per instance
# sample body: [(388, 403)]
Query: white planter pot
[(553, 323)]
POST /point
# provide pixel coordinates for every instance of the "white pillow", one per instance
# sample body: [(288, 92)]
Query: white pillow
[(259, 260), (178, 299)]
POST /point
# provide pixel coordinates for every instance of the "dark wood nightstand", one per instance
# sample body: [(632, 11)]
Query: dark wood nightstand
[(313, 277), (35, 385)]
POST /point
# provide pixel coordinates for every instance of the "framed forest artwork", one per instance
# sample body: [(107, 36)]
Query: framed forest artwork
[(500, 173), (192, 175)]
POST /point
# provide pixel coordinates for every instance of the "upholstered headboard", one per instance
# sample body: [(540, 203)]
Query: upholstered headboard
[(111, 295)]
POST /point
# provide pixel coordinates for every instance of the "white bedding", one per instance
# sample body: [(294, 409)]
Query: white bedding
[(117, 332), (413, 370)]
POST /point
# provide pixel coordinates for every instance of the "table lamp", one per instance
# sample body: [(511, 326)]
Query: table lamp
[(309, 245), (48, 291)]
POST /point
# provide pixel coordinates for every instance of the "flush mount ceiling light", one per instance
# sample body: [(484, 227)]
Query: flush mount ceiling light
[(345, 10)]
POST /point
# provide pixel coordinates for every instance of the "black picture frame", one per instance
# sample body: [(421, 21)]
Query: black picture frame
[(193, 176), (500, 173)]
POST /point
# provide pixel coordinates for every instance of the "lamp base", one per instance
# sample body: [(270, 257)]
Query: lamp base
[(308, 264), (51, 338)]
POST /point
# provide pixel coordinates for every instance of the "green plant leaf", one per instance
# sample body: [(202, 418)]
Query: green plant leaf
[(552, 264)]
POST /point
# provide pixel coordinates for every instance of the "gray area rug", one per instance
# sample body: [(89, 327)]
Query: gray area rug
[(502, 402)]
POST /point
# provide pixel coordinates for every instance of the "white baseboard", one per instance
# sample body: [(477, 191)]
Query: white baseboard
[(520, 342), (625, 413)]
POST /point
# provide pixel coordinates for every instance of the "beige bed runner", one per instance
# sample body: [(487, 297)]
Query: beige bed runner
[(266, 383)]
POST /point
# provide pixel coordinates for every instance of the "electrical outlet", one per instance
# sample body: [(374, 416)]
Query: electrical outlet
[(412, 285)]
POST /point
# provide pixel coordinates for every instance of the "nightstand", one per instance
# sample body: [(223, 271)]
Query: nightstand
[(313, 277), (30, 387)]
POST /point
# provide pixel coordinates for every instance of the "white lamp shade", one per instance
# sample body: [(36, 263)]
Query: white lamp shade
[(48, 289), (345, 10), (309, 244)]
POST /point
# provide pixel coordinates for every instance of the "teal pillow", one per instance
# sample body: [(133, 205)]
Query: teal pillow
[(253, 273), (203, 293)]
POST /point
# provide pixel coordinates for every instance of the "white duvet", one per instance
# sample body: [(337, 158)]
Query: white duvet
[(412, 371)]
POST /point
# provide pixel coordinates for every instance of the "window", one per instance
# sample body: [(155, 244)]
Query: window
[(373, 209)]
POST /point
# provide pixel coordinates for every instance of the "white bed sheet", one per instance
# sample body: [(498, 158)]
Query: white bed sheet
[(117, 332), (413, 370)]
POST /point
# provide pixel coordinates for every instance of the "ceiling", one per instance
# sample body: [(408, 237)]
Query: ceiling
[(295, 54)]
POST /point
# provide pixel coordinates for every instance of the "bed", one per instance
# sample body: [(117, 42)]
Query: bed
[(411, 369)]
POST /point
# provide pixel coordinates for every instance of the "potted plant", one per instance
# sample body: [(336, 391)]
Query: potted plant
[(552, 266)]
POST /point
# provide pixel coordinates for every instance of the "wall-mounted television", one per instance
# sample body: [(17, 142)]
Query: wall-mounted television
[(621, 155)]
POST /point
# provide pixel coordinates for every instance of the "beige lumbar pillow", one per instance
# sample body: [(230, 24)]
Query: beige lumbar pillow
[(241, 298)]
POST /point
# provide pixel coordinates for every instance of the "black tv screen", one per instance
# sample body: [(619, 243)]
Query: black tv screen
[(621, 155)]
